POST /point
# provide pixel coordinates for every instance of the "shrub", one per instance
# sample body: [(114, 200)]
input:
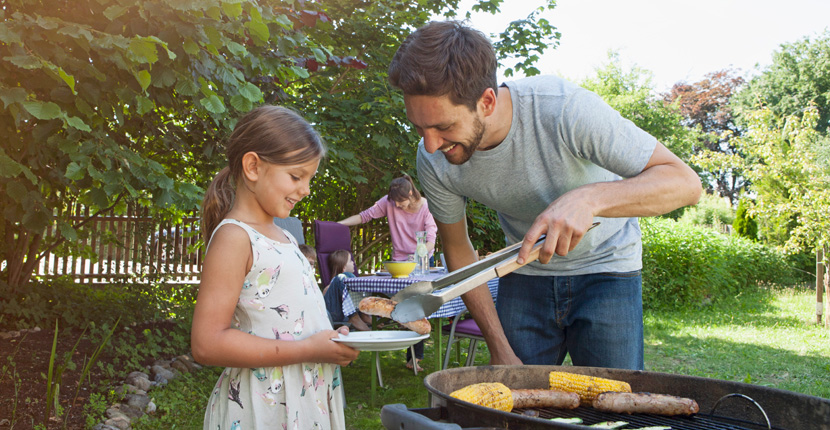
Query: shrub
[(711, 210), (744, 224), (688, 266)]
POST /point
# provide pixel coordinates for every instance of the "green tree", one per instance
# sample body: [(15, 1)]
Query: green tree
[(799, 75), (745, 224), (705, 106), (790, 180), (631, 93), (107, 102)]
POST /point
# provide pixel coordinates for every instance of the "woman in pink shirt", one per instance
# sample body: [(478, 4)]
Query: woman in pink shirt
[(407, 213)]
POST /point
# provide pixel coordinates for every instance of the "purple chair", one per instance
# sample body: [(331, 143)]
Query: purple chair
[(330, 236), (461, 328)]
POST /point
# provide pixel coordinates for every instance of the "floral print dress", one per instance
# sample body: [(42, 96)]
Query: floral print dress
[(279, 300)]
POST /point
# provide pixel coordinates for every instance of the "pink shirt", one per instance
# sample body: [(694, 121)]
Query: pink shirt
[(402, 225)]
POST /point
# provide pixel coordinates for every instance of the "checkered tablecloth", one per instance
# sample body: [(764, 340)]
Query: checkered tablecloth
[(389, 286)]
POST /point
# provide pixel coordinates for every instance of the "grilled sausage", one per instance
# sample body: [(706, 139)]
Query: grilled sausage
[(382, 307), (544, 398), (645, 403)]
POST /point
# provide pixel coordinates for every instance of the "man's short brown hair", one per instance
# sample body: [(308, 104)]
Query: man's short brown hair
[(445, 58)]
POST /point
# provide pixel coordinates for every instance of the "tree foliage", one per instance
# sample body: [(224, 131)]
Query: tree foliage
[(705, 106), (630, 92), (791, 183), (798, 76), (745, 224), (106, 102), (109, 101)]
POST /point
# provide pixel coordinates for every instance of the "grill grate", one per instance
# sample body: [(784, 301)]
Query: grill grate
[(696, 422)]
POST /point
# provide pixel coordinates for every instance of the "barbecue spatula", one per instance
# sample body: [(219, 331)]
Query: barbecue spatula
[(423, 305), (426, 287)]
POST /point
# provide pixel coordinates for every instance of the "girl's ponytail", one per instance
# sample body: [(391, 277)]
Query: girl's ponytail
[(218, 201)]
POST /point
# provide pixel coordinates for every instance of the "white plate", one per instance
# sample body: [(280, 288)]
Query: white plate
[(386, 340)]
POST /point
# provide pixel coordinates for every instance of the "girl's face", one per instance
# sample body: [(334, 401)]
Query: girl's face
[(280, 187), (349, 267), (406, 205)]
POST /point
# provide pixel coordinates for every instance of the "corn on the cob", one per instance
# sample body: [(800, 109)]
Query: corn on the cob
[(489, 394), (587, 387)]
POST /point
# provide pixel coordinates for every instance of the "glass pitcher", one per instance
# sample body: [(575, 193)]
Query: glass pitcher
[(421, 253)]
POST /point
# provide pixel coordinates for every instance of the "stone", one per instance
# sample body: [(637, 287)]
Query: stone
[(151, 408), (131, 411), (129, 389), (120, 423), (138, 401), (139, 380), (161, 371), (180, 366)]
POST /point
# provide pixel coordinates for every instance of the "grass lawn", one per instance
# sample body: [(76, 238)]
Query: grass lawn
[(766, 337)]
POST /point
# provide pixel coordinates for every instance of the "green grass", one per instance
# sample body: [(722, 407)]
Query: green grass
[(767, 337)]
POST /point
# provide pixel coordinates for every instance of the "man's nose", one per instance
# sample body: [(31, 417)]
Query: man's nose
[(432, 141)]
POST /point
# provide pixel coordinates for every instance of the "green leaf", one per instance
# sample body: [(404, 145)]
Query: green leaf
[(236, 49), (75, 122), (16, 191), (143, 77), (144, 50), (187, 86), (8, 167), (213, 104), (251, 92), (27, 62), (232, 10), (74, 171), (115, 11), (241, 104), (41, 110), (67, 231), (12, 95), (69, 79), (191, 47), (259, 30), (143, 105)]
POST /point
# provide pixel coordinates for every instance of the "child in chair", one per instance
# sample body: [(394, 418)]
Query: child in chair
[(341, 266)]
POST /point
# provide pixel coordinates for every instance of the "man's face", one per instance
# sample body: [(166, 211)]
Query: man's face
[(452, 129)]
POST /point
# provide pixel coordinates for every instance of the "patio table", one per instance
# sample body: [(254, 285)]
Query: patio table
[(389, 286)]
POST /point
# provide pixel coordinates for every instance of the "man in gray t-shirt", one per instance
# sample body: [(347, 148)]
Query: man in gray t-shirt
[(550, 158)]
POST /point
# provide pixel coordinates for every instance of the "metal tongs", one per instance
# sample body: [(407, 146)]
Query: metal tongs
[(423, 298)]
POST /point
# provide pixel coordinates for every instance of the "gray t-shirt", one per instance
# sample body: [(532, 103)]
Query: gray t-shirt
[(562, 136)]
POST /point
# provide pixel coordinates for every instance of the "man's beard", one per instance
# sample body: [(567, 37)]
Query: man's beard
[(470, 145)]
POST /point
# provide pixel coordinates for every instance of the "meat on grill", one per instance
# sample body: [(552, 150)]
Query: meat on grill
[(645, 403)]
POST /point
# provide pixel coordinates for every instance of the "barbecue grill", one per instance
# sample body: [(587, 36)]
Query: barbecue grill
[(723, 404)]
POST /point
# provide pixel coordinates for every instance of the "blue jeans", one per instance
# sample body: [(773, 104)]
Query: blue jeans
[(596, 318)]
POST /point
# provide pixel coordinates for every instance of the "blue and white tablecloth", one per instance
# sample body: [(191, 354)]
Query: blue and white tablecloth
[(390, 286)]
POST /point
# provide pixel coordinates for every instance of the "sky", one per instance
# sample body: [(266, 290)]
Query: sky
[(676, 40)]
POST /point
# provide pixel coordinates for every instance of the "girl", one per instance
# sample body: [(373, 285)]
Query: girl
[(407, 213), (342, 266), (258, 311)]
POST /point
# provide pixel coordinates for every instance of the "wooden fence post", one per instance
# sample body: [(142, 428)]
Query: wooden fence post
[(819, 284)]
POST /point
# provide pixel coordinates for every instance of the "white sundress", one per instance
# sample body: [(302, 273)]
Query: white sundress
[(279, 300)]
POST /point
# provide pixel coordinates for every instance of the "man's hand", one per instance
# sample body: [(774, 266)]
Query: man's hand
[(509, 358), (563, 223)]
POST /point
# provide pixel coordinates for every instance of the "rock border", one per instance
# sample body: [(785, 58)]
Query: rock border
[(135, 402)]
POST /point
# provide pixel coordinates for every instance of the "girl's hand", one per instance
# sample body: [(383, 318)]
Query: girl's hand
[(343, 330), (328, 351)]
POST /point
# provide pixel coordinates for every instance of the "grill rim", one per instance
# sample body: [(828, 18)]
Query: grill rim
[(786, 409)]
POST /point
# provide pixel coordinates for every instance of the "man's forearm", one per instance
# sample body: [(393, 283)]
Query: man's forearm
[(480, 304)]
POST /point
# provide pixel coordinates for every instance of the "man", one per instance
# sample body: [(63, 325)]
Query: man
[(550, 158)]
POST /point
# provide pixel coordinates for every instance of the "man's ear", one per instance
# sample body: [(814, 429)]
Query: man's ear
[(251, 165), (487, 101)]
